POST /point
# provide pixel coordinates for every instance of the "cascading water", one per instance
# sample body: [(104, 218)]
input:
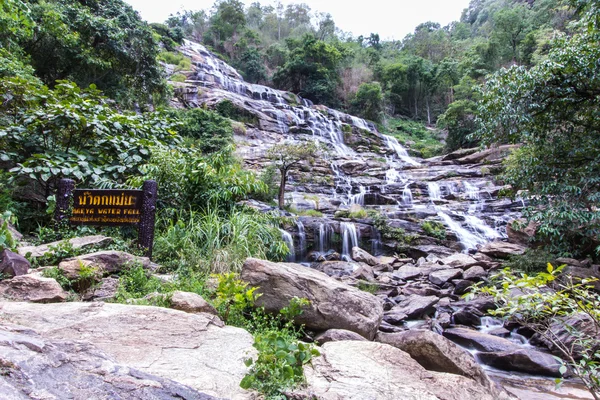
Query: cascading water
[(393, 144), (407, 198), (434, 191), (349, 239), (467, 239), (358, 198), (325, 235), (289, 241), (301, 239)]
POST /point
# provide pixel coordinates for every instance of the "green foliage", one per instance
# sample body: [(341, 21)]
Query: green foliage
[(423, 142), (181, 62), (135, 282), (281, 356), (434, 229), (177, 78), (368, 287), (55, 254), (214, 241), (388, 232), (552, 110), (531, 262), (6, 239), (59, 276), (547, 299), (212, 132), (233, 299), (368, 101), (229, 110)]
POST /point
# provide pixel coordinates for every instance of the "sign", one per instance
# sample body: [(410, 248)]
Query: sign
[(110, 208), (106, 207)]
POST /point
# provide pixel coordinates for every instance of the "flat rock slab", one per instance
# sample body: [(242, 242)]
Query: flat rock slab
[(187, 348), (104, 262), (502, 250), (333, 305), (77, 243), (353, 370), (408, 272), (33, 288), (43, 368), (480, 341), (415, 306), (460, 260), (444, 275), (523, 360)]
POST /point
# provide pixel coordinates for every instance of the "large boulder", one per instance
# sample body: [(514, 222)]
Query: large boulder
[(436, 353), (191, 303), (500, 249), (76, 243), (106, 290), (523, 360), (408, 272), (522, 235), (416, 306), (479, 341), (104, 262), (460, 260), (38, 367), (442, 276), (188, 348), (333, 305), (335, 335), (361, 255), (569, 331), (32, 288), (13, 264), (352, 370)]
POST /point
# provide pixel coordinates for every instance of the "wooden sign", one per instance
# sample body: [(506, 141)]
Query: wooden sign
[(110, 208)]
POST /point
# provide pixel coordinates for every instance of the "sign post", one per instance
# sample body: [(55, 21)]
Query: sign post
[(111, 207)]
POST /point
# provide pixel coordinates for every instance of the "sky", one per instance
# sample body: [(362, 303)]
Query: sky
[(391, 19)]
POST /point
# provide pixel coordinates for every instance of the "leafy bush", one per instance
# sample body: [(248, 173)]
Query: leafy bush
[(229, 110), (135, 282), (233, 300), (212, 132), (6, 238), (177, 78), (434, 229), (530, 262), (424, 143)]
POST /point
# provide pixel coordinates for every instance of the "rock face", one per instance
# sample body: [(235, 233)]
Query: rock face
[(77, 243), (105, 262), (333, 305), (335, 335), (186, 348), (32, 288), (361, 255), (500, 249), (191, 303), (415, 306), (37, 367), (436, 353), (369, 370), (13, 264)]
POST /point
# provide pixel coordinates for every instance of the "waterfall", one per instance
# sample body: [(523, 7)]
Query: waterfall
[(358, 198), (467, 239), (325, 235), (483, 229), (472, 191), (289, 241), (376, 242), (349, 239), (302, 239), (393, 144), (407, 198), (434, 191)]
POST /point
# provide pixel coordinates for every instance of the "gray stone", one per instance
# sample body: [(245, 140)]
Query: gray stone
[(460, 260), (32, 288), (436, 353), (13, 264), (332, 304), (353, 370), (336, 269), (361, 255), (104, 262), (77, 243), (189, 349), (442, 276), (561, 332), (38, 367), (335, 335), (475, 274), (501, 249), (408, 272), (105, 291), (191, 303), (523, 360), (469, 316), (415, 306), (480, 341)]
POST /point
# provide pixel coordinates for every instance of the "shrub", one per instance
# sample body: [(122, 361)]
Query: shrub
[(530, 262), (434, 229)]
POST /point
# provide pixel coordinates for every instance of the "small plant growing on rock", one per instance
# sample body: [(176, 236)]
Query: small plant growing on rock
[(234, 299), (434, 229)]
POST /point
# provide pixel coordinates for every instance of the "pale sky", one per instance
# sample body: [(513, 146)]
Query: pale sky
[(392, 19)]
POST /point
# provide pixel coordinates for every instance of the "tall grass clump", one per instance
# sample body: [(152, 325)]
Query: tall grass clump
[(213, 241)]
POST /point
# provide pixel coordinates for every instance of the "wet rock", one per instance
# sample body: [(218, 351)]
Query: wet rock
[(501, 249), (442, 276), (368, 370), (104, 262), (460, 260), (415, 306), (461, 286), (187, 348), (13, 264), (480, 341), (336, 269), (335, 335), (32, 288), (105, 291), (76, 243), (475, 274), (361, 255), (444, 319), (436, 353), (579, 273), (523, 360), (521, 235), (191, 303), (43, 367), (561, 331), (469, 316), (394, 316), (332, 304)]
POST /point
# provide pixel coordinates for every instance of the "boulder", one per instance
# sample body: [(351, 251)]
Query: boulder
[(333, 305), (469, 316), (460, 260), (76, 243), (436, 353), (579, 273), (501, 249), (187, 348), (13, 264), (424, 250), (353, 370), (461, 286), (39, 367), (444, 275), (523, 360), (105, 291), (475, 274), (562, 332), (521, 235), (335, 335), (394, 316), (408, 272), (415, 306), (32, 288), (191, 303), (336, 269), (480, 341), (105, 262), (364, 272), (493, 154), (361, 255)]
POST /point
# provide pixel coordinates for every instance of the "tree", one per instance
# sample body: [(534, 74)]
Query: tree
[(368, 101), (510, 28), (552, 109), (286, 156)]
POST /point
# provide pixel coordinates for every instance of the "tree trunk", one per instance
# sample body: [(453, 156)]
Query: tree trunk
[(428, 113), (282, 188)]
